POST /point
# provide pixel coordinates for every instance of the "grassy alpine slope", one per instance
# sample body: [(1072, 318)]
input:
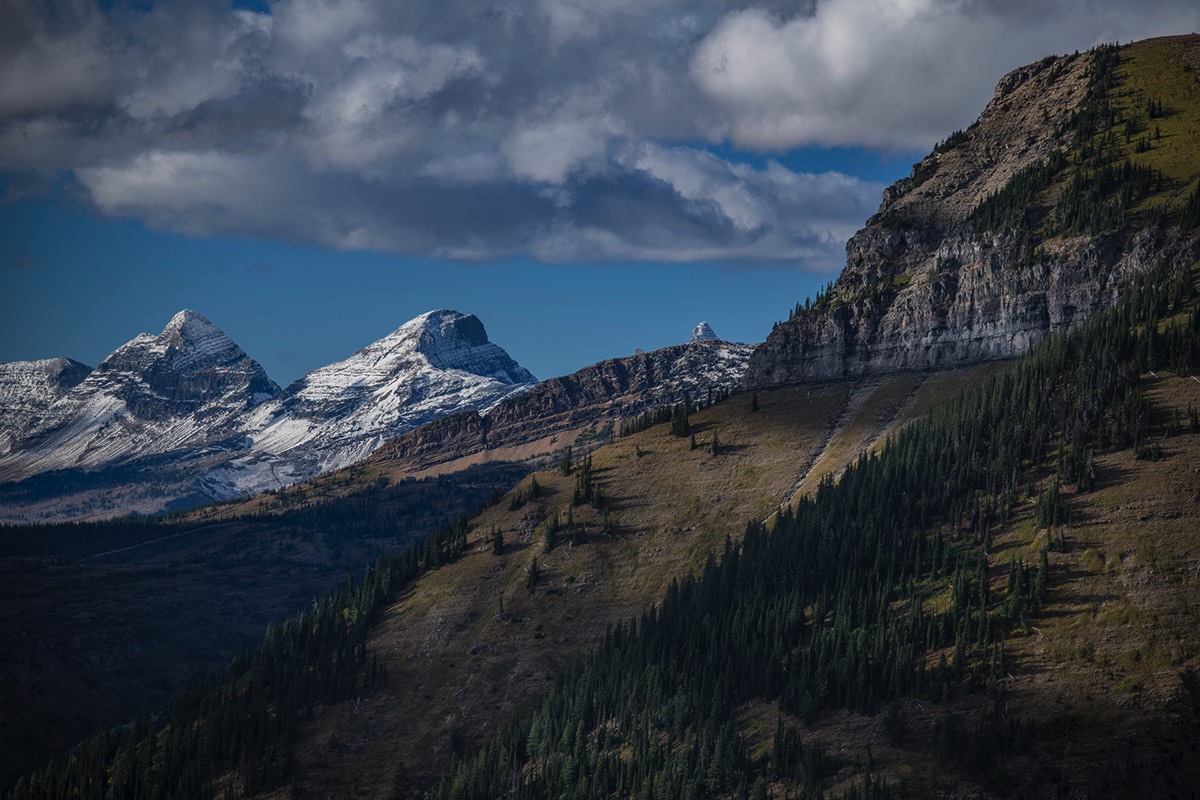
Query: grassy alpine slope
[(473, 643)]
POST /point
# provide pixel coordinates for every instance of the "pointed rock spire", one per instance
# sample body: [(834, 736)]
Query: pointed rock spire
[(704, 333)]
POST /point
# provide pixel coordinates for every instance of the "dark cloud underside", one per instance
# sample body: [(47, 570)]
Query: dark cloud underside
[(565, 130)]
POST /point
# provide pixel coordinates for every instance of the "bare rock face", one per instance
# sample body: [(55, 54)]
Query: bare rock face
[(923, 289)]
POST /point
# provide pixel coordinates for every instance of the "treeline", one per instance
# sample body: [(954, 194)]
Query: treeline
[(70, 541), (234, 734), (1095, 112), (1011, 207), (1104, 186), (675, 413), (831, 609), (813, 305), (1080, 209)]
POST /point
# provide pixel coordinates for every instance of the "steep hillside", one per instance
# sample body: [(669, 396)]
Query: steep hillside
[(1082, 170), (472, 643), (978, 610)]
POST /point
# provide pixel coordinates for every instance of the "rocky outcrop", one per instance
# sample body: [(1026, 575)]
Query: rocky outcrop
[(593, 399), (925, 288)]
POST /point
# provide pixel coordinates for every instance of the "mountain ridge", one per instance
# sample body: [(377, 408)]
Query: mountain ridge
[(590, 403), (199, 418), (439, 364)]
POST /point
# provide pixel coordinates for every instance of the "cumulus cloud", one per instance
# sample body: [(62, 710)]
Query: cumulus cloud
[(894, 73), (564, 130)]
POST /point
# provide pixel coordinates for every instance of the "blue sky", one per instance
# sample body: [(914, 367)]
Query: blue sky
[(586, 177), (80, 285)]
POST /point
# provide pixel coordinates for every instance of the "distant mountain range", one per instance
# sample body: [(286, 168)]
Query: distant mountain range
[(186, 416)]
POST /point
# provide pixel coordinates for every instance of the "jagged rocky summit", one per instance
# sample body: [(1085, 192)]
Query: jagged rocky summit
[(703, 333), (184, 389), (437, 364), (933, 281)]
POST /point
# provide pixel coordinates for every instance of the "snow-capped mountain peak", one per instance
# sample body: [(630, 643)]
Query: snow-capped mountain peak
[(704, 333), (181, 390), (436, 364), (450, 340), (190, 343)]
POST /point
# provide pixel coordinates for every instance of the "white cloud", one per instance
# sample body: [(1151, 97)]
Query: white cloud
[(575, 134), (563, 129), (893, 74)]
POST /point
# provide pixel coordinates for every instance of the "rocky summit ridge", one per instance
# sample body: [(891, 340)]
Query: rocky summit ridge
[(582, 407), (1076, 175)]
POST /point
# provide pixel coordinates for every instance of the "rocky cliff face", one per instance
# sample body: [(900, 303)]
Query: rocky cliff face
[(927, 286), (589, 400)]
